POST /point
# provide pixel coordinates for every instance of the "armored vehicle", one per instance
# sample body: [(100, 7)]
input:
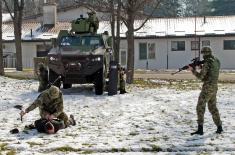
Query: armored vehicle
[(81, 55)]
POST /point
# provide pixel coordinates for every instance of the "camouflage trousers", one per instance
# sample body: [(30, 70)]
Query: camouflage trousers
[(122, 83), (208, 95), (63, 116)]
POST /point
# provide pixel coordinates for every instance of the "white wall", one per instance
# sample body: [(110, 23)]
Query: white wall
[(226, 57), (177, 59), (29, 51)]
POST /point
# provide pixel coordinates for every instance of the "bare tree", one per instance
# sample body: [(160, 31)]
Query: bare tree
[(17, 20), (126, 11), (133, 9), (1, 50)]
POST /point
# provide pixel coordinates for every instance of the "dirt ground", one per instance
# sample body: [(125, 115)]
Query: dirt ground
[(225, 75)]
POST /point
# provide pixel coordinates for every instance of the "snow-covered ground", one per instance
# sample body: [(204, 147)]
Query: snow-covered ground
[(144, 121)]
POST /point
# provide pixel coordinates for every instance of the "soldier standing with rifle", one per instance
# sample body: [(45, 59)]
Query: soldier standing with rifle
[(209, 75)]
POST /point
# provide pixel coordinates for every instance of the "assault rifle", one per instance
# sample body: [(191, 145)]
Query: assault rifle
[(54, 82), (195, 62)]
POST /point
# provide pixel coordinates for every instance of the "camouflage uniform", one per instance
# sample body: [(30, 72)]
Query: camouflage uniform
[(209, 75), (50, 105), (122, 83), (94, 22), (43, 78)]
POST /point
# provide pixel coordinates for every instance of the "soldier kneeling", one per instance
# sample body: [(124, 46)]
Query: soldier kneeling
[(50, 104)]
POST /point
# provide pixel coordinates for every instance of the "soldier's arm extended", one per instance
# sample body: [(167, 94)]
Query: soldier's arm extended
[(34, 105), (200, 75)]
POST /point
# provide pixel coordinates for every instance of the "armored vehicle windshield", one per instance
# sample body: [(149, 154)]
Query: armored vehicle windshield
[(78, 41)]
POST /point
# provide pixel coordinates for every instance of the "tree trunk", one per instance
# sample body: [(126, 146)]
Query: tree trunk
[(17, 32), (1, 49), (131, 56), (18, 14), (112, 23), (117, 41)]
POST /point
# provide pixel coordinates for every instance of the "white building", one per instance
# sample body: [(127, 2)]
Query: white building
[(163, 43), (171, 43)]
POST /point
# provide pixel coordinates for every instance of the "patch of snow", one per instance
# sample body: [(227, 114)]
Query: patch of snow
[(136, 123)]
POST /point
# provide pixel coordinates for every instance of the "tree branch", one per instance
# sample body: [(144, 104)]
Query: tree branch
[(9, 10), (149, 16), (100, 7)]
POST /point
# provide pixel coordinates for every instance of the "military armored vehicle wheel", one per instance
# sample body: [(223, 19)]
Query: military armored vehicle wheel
[(100, 82), (52, 77), (66, 86)]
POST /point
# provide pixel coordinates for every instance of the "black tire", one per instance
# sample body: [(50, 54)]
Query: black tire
[(100, 82), (67, 86), (52, 77)]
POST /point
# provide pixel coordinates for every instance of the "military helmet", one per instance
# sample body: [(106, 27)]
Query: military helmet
[(206, 50), (54, 92)]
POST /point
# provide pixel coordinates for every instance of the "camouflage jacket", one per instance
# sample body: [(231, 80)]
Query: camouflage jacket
[(47, 105), (209, 73), (43, 76)]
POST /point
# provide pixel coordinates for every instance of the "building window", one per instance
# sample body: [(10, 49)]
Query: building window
[(229, 44), (146, 51), (194, 45), (151, 51), (205, 43), (123, 58), (143, 51), (178, 46)]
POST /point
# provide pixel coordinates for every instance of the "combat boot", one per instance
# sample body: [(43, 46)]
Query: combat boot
[(72, 120), (219, 129), (123, 91), (199, 131)]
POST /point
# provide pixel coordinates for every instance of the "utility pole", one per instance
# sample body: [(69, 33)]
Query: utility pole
[(195, 29)]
